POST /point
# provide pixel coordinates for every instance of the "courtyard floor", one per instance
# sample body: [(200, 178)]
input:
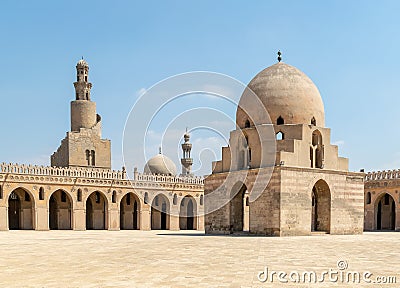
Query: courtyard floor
[(180, 259)]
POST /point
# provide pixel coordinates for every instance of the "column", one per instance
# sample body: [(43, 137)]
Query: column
[(174, 218), (145, 217)]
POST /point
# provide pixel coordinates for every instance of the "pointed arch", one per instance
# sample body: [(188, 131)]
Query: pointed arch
[(97, 211), (160, 213), (238, 211), (313, 121), (368, 198), (321, 207), (21, 212), (317, 150), (188, 213), (130, 212), (385, 212), (60, 210)]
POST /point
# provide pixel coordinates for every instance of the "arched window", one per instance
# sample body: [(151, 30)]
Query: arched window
[(201, 199), (93, 158), (316, 138), (317, 150), (88, 157), (27, 197), (156, 201), (41, 193), (79, 195), (146, 198), (87, 96), (86, 78), (313, 121), (114, 197), (280, 121), (368, 198), (63, 196), (280, 135), (175, 200), (183, 202), (247, 124)]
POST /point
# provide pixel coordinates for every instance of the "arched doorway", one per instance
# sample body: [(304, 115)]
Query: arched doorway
[(187, 214), (60, 211), (129, 212), (96, 211), (321, 207), (239, 212), (20, 210), (385, 215), (160, 213)]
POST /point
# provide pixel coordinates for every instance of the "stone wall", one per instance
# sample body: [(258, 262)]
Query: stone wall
[(346, 200), (377, 185), (80, 183), (72, 152)]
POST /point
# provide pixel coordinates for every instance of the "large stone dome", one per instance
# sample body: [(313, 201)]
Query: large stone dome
[(287, 94), (160, 165)]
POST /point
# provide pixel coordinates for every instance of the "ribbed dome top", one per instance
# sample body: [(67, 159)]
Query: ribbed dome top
[(287, 94), (160, 165), (82, 62)]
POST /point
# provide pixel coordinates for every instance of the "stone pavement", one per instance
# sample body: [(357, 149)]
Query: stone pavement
[(180, 259)]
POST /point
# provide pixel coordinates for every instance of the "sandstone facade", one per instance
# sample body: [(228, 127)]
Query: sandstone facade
[(80, 191), (282, 156), (382, 199)]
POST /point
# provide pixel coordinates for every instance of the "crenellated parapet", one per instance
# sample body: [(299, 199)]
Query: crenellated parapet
[(170, 179), (82, 172), (23, 173), (382, 175)]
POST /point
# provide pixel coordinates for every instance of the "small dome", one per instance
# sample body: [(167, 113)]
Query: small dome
[(287, 94), (82, 62), (160, 165), (186, 137)]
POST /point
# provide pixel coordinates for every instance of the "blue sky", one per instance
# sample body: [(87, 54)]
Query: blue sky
[(350, 49)]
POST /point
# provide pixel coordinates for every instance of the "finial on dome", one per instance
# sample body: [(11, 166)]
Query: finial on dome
[(186, 136), (279, 56), (82, 62)]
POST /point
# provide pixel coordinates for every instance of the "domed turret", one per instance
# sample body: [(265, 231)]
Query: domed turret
[(289, 96), (160, 165), (82, 62)]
